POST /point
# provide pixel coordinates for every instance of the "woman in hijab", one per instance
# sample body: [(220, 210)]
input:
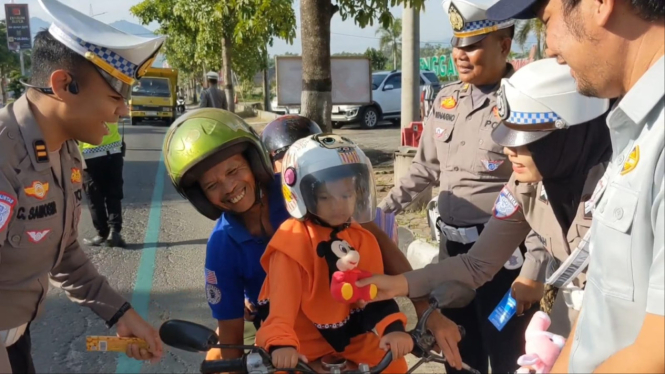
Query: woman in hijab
[(559, 145)]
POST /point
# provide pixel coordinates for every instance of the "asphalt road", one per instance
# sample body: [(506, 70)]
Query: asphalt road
[(160, 271)]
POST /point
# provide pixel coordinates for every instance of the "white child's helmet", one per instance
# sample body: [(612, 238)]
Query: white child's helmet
[(323, 158)]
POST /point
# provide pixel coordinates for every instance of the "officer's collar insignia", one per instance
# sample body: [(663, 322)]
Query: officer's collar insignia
[(543, 195), (506, 205), (456, 19), (631, 162), (502, 109), (41, 154), (76, 175), (448, 103), (465, 87)]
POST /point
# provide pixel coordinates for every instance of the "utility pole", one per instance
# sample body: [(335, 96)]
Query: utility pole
[(410, 66), (410, 98)]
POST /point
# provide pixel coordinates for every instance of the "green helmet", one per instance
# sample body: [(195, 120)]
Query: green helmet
[(201, 139)]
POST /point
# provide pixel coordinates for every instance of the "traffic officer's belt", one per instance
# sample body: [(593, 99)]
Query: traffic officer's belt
[(11, 336), (463, 235)]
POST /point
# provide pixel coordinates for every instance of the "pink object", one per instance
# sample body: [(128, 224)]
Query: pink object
[(290, 177), (542, 347)]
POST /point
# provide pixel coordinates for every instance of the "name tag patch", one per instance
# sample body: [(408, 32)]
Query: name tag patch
[(506, 205), (492, 165), (37, 212), (6, 209)]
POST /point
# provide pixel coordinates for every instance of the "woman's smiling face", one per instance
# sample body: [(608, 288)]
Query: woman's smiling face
[(230, 185)]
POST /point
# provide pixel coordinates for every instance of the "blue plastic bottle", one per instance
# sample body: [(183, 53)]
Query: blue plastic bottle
[(503, 312)]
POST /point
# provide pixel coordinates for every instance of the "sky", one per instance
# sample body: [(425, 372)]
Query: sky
[(346, 35)]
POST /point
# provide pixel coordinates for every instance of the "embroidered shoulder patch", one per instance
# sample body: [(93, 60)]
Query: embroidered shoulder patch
[(6, 209), (506, 205), (213, 294)]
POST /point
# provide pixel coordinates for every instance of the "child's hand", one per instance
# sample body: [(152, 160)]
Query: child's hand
[(286, 358), (400, 343)]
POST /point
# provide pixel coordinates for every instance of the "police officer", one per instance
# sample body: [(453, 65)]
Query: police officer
[(102, 183), (83, 70), (558, 159), (457, 150), (213, 97), (615, 49)]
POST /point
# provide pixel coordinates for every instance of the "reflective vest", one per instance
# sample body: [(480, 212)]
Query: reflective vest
[(111, 143)]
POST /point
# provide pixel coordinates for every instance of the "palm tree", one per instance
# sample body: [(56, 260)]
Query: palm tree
[(390, 39), (527, 27)]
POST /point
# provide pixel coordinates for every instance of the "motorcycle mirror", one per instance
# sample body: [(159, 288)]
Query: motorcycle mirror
[(187, 336), (452, 295)]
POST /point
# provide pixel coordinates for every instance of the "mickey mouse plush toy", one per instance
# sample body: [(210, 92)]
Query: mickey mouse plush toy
[(342, 261)]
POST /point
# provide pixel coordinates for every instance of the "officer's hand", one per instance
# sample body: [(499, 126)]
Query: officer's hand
[(388, 286), (132, 325), (447, 336), (526, 292)]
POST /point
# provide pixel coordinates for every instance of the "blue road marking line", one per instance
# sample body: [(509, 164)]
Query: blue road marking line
[(144, 275)]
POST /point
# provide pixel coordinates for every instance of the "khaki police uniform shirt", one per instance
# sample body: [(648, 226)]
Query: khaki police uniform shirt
[(457, 149), (213, 97), (625, 279), (533, 219), (39, 215)]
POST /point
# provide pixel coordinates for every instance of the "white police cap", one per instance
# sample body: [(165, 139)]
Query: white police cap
[(539, 98), (212, 75), (469, 21), (121, 58)]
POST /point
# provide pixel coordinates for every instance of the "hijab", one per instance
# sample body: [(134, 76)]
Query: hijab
[(564, 159)]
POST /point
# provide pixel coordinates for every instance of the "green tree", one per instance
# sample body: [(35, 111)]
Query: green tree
[(9, 61), (390, 40), (239, 31), (536, 27), (315, 16), (377, 59)]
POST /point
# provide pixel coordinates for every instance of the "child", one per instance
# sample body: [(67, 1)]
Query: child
[(328, 187)]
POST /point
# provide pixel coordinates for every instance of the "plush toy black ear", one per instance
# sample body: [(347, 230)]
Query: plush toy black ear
[(323, 248)]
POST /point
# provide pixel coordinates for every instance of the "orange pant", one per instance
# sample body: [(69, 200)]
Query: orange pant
[(363, 349)]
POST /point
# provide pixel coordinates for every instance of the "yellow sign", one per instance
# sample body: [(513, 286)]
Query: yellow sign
[(631, 162), (287, 194)]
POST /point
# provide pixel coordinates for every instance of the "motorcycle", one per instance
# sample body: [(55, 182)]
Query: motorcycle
[(180, 105), (193, 337)]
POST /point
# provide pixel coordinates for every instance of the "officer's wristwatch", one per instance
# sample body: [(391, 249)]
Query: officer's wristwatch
[(121, 312)]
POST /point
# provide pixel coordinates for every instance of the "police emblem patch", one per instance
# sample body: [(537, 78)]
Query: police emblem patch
[(213, 294), (448, 103), (37, 236), (505, 205), (456, 19), (37, 190), (492, 165), (6, 209), (501, 104), (76, 175)]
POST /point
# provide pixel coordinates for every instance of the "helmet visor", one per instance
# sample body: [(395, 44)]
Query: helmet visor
[(341, 193)]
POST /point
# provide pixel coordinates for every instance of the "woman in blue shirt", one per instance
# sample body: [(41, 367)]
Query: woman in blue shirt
[(218, 163)]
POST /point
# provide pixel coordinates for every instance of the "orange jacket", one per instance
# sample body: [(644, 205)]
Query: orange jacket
[(297, 290)]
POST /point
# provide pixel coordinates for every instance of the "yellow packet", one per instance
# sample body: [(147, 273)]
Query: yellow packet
[(112, 343)]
